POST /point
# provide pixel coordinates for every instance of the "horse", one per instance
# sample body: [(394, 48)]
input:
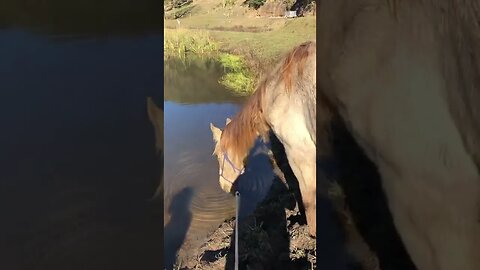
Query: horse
[(284, 102), (404, 77)]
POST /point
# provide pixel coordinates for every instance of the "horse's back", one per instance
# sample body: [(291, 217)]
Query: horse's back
[(291, 98)]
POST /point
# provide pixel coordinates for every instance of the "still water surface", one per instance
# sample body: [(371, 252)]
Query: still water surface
[(77, 157), (193, 100), (193, 200)]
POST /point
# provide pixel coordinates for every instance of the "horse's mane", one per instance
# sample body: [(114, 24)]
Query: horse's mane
[(240, 134), (295, 58)]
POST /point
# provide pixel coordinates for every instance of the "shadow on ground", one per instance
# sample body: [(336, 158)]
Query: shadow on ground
[(265, 236)]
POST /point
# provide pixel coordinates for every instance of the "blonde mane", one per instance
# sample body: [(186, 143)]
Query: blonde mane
[(295, 58), (240, 134)]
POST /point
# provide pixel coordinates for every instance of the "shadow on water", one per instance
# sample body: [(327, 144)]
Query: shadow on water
[(176, 229)]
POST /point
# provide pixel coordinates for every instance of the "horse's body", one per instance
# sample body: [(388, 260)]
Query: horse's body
[(284, 102), (405, 78)]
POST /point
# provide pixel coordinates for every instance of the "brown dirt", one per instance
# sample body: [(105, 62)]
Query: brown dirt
[(271, 238)]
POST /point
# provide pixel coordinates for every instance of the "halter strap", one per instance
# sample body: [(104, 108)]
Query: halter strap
[(225, 158)]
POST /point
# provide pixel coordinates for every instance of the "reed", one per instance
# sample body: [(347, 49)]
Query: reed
[(182, 42), (185, 44)]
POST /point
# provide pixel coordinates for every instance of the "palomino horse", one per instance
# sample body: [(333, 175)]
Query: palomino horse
[(284, 102), (405, 78)]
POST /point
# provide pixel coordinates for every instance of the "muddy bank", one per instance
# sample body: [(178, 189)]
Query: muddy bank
[(274, 236)]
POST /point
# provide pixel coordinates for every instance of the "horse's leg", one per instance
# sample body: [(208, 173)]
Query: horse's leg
[(304, 168), (288, 121)]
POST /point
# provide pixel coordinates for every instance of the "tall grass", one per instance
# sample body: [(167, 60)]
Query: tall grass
[(181, 42), (185, 44)]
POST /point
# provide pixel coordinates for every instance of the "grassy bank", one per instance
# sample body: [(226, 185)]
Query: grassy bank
[(266, 47), (184, 43), (246, 47), (181, 42), (266, 39)]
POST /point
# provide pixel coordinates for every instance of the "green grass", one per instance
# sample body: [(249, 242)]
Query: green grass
[(260, 48), (268, 46), (213, 21), (184, 43), (238, 77)]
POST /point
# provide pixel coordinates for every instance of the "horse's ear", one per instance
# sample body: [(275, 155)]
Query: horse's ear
[(216, 132), (227, 121), (153, 111)]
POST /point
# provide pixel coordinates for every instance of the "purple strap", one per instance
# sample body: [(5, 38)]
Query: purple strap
[(240, 171)]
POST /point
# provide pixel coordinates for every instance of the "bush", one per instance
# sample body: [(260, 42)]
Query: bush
[(255, 4), (176, 3), (179, 13)]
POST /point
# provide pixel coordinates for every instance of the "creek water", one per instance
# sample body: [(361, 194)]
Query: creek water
[(193, 200)]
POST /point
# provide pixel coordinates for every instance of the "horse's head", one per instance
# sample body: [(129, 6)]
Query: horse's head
[(229, 168)]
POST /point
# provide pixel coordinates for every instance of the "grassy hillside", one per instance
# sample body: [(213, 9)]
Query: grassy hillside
[(237, 30), (268, 45)]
